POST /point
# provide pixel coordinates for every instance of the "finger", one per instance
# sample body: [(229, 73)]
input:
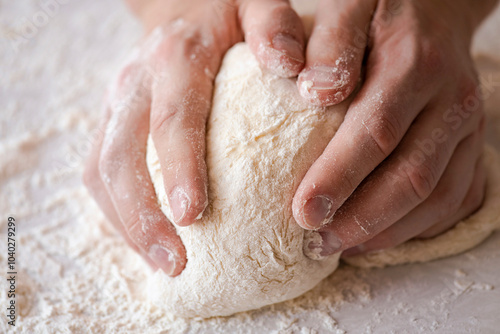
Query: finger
[(94, 184), (470, 204), (97, 189), (394, 93), (401, 183), (122, 166), (335, 51), (275, 34), (442, 205), (181, 103), (374, 124)]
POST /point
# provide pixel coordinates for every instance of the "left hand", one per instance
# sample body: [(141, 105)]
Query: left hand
[(165, 89), (406, 162)]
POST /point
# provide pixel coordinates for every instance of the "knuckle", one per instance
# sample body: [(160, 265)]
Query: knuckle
[(449, 203), (144, 226), (384, 131), (133, 227), (350, 59), (161, 120), (423, 60), (332, 33), (189, 113), (430, 57), (186, 41), (128, 73), (191, 43), (134, 230), (129, 89), (421, 179), (348, 183)]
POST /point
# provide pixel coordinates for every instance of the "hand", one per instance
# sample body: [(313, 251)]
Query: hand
[(165, 89), (406, 162)]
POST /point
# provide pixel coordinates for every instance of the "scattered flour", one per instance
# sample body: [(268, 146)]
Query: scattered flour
[(76, 274)]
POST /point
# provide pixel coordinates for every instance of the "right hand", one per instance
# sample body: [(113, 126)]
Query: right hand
[(166, 89)]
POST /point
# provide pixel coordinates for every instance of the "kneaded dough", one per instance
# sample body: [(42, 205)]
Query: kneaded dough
[(247, 250)]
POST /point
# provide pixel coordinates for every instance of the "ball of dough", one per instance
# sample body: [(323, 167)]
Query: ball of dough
[(247, 250)]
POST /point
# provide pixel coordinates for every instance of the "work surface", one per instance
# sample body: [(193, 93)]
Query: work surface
[(75, 274)]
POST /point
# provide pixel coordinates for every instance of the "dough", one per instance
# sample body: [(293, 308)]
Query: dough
[(247, 250)]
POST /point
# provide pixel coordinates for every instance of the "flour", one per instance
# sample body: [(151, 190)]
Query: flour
[(77, 275)]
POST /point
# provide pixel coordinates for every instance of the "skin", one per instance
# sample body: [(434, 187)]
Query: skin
[(399, 166), (405, 163)]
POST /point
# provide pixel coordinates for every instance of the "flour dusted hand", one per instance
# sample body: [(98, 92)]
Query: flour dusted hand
[(165, 89), (406, 161)]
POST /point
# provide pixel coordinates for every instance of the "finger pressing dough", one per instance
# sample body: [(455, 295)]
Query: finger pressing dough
[(465, 235), (247, 251)]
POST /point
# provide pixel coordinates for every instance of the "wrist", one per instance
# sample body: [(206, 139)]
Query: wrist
[(461, 18), (473, 13)]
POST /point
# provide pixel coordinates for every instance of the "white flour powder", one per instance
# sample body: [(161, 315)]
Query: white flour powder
[(76, 274)]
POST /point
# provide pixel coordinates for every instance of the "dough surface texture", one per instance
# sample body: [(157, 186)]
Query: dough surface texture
[(247, 250)]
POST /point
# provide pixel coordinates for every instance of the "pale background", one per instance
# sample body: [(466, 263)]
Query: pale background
[(76, 275)]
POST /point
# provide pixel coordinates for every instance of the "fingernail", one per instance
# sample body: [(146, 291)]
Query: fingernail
[(326, 77), (324, 85), (163, 258), (287, 44), (179, 203), (312, 245), (330, 244), (317, 211)]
